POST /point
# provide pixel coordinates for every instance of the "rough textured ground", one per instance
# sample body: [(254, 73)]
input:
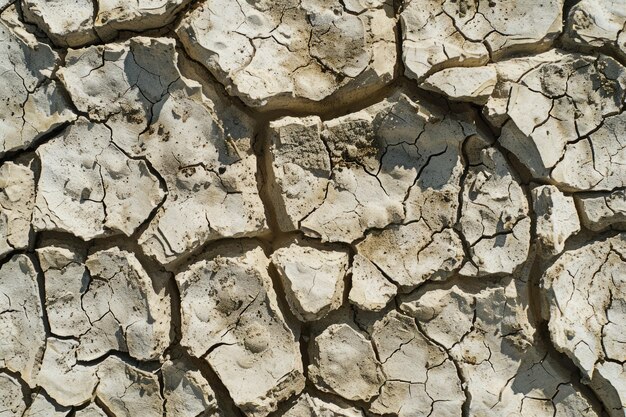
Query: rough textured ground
[(353, 208)]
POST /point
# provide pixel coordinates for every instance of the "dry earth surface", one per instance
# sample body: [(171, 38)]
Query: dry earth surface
[(353, 208)]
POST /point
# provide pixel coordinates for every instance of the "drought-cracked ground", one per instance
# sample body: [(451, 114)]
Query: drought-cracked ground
[(310, 208)]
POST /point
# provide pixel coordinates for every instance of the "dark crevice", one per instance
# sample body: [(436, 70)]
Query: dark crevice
[(536, 300), (463, 379), (41, 285), (27, 393), (103, 407), (223, 398), (14, 154)]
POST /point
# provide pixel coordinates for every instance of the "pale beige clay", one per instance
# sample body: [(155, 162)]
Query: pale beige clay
[(312, 208)]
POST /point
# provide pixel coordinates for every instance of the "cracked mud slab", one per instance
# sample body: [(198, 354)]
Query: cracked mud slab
[(92, 192), (352, 208), (584, 303), (22, 329), (128, 391), (597, 25), (431, 386), (105, 302), (186, 391), (307, 405), (33, 103), (17, 201), (42, 406), (439, 34), (74, 24), (313, 279), (333, 355), (491, 335), (230, 319), (287, 54), (171, 126)]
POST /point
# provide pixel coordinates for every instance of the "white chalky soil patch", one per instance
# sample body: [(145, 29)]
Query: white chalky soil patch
[(352, 208)]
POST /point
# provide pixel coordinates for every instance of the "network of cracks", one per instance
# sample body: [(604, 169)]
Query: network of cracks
[(312, 208)]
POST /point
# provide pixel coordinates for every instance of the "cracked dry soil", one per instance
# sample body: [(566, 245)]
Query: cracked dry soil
[(310, 208)]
